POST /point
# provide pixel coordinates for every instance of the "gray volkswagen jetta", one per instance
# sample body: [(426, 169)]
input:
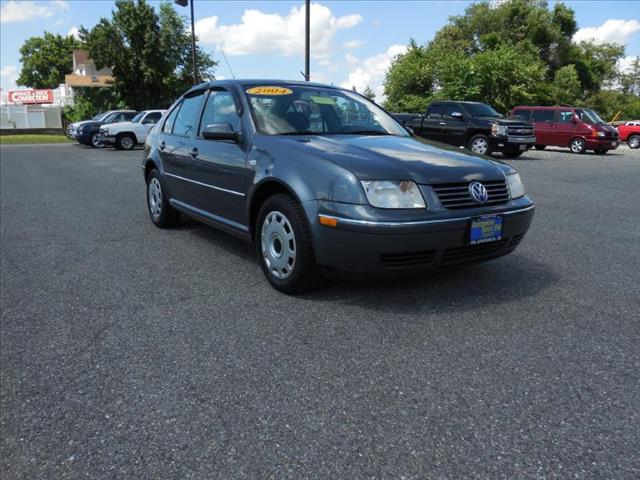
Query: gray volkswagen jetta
[(321, 179)]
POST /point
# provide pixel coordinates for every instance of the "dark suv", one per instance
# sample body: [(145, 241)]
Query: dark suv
[(474, 125), (322, 179)]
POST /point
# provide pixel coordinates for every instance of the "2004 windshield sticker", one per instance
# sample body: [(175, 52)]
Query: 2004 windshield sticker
[(269, 91)]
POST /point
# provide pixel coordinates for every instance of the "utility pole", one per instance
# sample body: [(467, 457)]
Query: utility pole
[(183, 3), (307, 41)]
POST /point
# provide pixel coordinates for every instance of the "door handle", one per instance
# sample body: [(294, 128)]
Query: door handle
[(443, 123), (163, 145), (193, 152)]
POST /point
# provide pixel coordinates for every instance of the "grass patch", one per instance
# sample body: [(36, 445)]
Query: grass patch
[(32, 138)]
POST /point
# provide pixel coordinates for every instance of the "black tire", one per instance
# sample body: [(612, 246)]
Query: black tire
[(94, 142), (601, 151), (125, 141), (633, 141), (512, 154), (540, 147), (302, 274), (166, 216), (476, 141), (577, 145)]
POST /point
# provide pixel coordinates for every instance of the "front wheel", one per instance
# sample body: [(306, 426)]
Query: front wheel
[(578, 145), (95, 140), (125, 141), (284, 247), (634, 141), (479, 144)]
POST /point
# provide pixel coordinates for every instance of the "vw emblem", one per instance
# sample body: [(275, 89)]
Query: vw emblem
[(478, 192)]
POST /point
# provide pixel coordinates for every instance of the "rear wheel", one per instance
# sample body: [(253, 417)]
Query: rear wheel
[(479, 144), (633, 141), (125, 141), (540, 147), (162, 214), (578, 145), (284, 247), (512, 154)]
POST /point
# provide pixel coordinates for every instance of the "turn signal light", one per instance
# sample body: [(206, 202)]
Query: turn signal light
[(328, 221)]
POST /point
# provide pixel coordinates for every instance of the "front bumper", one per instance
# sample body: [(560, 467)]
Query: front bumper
[(512, 143), (106, 139), (600, 143), (393, 247)]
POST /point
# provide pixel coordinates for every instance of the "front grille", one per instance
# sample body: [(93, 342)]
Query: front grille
[(408, 259), (471, 253), (520, 130), (456, 195)]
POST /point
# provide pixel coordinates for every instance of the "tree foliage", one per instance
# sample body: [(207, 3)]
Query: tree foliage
[(149, 53), (505, 54), (46, 60), (369, 93)]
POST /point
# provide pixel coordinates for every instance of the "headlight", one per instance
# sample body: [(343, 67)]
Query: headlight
[(516, 188), (393, 194), (601, 134), (498, 129)]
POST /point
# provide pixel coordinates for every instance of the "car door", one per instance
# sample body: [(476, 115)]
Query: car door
[(219, 166), (147, 123), (174, 143), (433, 126), (455, 127), (564, 127), (542, 120)]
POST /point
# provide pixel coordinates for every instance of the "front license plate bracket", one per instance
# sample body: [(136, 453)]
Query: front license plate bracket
[(485, 228)]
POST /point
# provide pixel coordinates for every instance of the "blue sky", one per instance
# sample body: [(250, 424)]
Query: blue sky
[(353, 42)]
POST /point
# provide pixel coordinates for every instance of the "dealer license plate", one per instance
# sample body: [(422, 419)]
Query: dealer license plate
[(487, 228)]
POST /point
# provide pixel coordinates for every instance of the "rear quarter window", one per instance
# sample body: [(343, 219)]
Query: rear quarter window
[(542, 115)]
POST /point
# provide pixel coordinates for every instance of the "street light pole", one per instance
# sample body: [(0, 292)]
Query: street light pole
[(307, 41), (183, 3)]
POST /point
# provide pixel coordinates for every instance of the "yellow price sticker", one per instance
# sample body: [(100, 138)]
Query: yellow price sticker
[(269, 91)]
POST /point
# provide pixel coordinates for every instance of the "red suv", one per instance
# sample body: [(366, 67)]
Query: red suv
[(580, 129)]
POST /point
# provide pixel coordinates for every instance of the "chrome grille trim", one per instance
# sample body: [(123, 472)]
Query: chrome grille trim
[(457, 195)]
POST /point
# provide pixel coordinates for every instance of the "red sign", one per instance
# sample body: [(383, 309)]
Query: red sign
[(31, 96)]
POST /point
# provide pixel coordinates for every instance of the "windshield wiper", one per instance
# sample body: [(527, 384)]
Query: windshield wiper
[(367, 132)]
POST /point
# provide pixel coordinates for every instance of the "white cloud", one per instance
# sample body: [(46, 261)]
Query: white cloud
[(14, 11), (261, 32), (74, 32), (372, 71), (611, 31), (624, 64), (351, 59), (8, 76), (351, 44)]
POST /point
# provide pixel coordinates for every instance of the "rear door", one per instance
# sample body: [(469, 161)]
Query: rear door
[(219, 166), (433, 125), (174, 143), (542, 120), (564, 127)]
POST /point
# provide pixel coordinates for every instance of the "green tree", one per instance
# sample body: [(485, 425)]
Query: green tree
[(630, 80), (46, 60), (566, 87), (149, 53), (369, 93)]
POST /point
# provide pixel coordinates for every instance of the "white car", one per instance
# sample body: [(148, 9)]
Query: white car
[(126, 135)]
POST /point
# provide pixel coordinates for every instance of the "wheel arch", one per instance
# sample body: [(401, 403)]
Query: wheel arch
[(264, 189)]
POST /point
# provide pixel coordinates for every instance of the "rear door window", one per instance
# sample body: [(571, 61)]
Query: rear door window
[(542, 115), (186, 119), (435, 111)]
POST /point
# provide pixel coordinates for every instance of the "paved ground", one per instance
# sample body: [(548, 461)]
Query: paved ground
[(127, 351)]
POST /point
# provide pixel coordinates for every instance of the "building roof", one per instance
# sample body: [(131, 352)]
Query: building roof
[(73, 80)]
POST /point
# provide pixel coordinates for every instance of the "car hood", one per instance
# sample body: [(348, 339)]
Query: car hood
[(82, 123), (116, 124), (400, 158), (505, 120)]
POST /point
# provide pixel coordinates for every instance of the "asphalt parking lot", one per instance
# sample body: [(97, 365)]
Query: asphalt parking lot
[(127, 351)]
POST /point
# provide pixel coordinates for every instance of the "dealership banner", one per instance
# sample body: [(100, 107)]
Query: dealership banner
[(30, 96)]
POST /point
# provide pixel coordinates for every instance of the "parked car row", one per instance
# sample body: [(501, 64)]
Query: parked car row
[(481, 129), (122, 129)]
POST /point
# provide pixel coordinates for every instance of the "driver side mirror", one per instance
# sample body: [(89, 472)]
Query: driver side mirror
[(457, 116), (219, 131)]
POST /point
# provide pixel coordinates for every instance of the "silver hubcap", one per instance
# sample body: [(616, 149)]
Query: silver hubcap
[(576, 146), (126, 143), (634, 142), (155, 198), (95, 141), (278, 245), (479, 145)]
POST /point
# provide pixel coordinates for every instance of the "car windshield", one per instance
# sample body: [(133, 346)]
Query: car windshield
[(590, 117), (481, 110), (312, 110), (138, 117), (99, 116)]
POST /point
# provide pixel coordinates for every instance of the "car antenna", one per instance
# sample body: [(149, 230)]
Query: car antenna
[(228, 65)]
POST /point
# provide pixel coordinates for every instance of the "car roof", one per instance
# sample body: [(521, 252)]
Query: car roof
[(533, 107), (265, 82)]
